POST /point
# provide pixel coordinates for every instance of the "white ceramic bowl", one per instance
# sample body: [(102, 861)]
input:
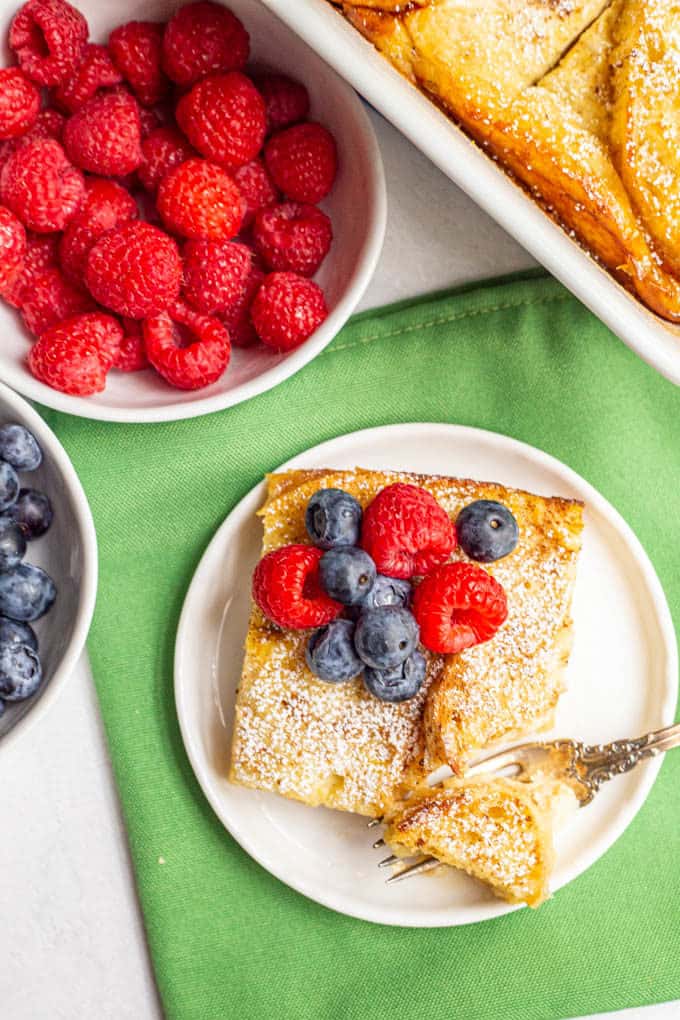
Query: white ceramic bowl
[(356, 205), (68, 552)]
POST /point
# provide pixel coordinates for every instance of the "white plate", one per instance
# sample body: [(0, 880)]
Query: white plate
[(623, 681), (356, 205), (340, 44)]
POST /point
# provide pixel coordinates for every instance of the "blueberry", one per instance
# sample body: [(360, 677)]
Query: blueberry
[(333, 518), (26, 593), (331, 654), (9, 485), (347, 574), (33, 513), (387, 591), (19, 448), (2, 708), (20, 672), (13, 632), (399, 683), (12, 544), (385, 637), (486, 530)]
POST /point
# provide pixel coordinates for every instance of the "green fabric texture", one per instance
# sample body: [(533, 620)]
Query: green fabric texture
[(521, 357)]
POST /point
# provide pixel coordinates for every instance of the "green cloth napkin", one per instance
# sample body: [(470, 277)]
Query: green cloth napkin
[(520, 357)]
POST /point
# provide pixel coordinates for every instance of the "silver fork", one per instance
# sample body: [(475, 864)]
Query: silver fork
[(584, 767)]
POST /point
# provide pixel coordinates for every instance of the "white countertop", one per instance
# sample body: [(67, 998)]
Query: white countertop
[(71, 937)]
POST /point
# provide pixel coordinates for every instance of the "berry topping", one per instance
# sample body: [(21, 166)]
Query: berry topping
[(223, 117), (256, 187), (286, 101), (331, 655), (50, 299), (9, 485), (162, 150), (95, 71), (32, 513), (287, 588), (387, 591), (13, 632), (134, 270), (201, 39), (303, 161), (199, 199), (188, 349), (107, 205), (333, 518), (406, 531), (19, 447), (26, 593), (292, 237), (41, 187), (19, 103), (20, 672), (104, 136), (399, 683), (12, 545), (215, 274), (47, 37), (136, 52), (12, 249), (71, 355), (287, 309), (458, 605), (347, 574), (486, 530), (384, 638)]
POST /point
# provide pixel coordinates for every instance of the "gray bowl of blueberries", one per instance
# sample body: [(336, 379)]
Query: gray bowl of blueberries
[(48, 566)]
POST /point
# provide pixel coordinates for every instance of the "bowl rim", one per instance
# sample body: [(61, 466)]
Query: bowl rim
[(87, 593), (19, 378)]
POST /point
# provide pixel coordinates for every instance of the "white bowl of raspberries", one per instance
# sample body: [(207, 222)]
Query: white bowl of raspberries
[(48, 566), (191, 205)]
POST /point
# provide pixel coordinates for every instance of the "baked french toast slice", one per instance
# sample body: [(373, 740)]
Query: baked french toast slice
[(576, 100), (335, 744), (497, 830)]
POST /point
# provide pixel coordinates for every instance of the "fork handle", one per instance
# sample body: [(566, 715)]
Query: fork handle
[(601, 762)]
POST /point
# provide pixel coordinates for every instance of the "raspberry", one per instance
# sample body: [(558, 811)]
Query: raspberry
[(201, 39), (190, 357), (136, 51), (50, 299), (287, 588), (286, 310), (407, 532), (41, 254), (131, 355), (215, 274), (303, 161), (293, 237), (199, 199), (75, 355), (223, 117), (107, 205), (458, 605), (105, 135), (237, 318), (286, 101), (41, 187), (50, 124), (19, 103), (94, 71), (256, 187), (48, 37), (134, 270), (163, 150), (12, 249)]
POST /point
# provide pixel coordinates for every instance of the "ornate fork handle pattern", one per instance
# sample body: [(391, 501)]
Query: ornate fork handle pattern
[(593, 765)]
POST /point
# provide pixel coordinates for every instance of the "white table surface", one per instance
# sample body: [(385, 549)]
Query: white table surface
[(71, 937)]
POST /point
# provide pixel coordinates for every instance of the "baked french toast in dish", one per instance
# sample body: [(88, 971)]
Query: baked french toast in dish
[(578, 100), (334, 743)]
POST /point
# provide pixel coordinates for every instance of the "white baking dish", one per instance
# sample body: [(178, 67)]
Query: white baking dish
[(337, 42)]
